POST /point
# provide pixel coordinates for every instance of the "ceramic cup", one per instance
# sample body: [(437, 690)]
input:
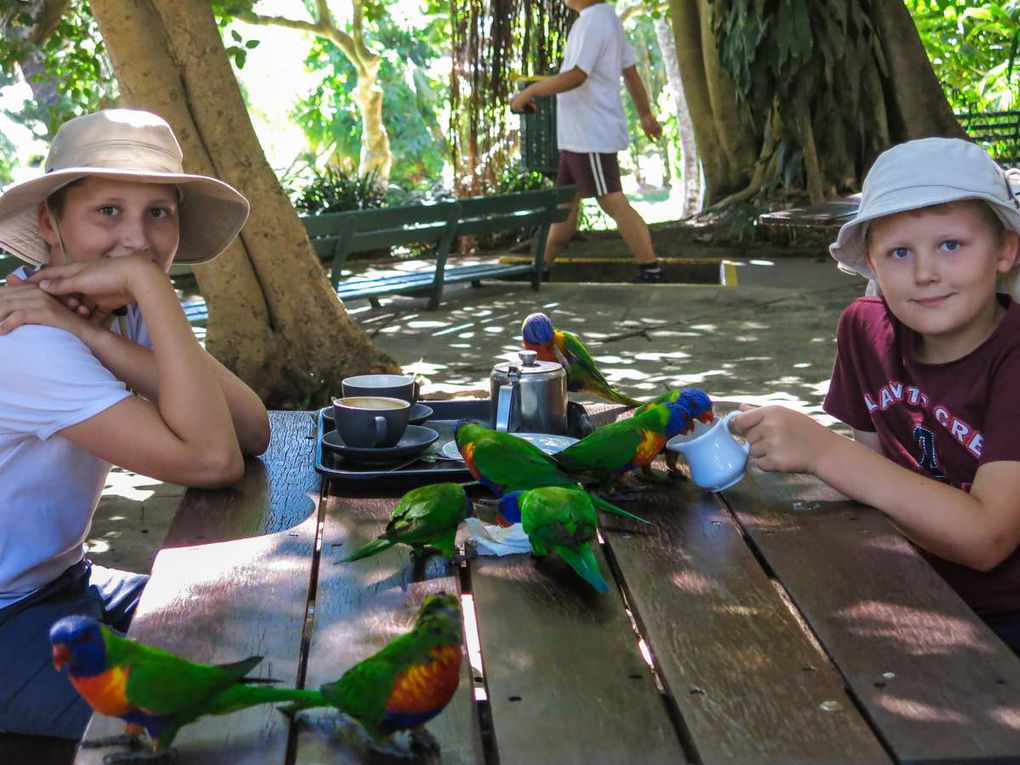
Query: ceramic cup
[(716, 458), (392, 386), (370, 421)]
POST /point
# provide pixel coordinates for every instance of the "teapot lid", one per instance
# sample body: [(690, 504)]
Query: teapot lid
[(530, 365)]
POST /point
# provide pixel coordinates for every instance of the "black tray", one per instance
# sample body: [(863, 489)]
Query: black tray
[(445, 415)]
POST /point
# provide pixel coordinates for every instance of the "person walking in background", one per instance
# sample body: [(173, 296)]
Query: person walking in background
[(592, 128)]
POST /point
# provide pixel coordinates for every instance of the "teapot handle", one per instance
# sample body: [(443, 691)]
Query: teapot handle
[(505, 401)]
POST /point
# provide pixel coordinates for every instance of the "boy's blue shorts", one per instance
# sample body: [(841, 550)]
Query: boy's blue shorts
[(35, 698)]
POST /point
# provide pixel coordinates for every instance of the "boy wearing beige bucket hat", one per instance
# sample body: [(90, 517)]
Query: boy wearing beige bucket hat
[(926, 373), (81, 392)]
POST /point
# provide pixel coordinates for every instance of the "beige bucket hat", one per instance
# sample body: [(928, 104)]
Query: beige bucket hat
[(921, 173), (129, 145)]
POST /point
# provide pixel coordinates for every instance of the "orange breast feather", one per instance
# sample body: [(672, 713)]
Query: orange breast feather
[(651, 444), (106, 693), (427, 687)]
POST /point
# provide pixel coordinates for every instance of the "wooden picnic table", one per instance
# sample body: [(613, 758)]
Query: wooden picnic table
[(776, 622)]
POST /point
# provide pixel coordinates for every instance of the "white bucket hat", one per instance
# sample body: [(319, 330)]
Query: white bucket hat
[(922, 173), (128, 145)]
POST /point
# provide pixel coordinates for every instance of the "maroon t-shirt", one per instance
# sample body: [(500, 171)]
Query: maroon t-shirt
[(940, 420)]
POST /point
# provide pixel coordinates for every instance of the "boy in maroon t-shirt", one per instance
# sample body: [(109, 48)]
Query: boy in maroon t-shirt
[(926, 375)]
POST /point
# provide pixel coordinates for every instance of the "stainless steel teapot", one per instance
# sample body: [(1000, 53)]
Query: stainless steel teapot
[(529, 396)]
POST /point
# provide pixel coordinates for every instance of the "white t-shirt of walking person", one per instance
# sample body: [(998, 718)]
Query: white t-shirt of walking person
[(590, 117)]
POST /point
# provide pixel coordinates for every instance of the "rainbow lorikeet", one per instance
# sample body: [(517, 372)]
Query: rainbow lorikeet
[(425, 517), (553, 344), (626, 444), (406, 683), (502, 462), (149, 688), (560, 519), (698, 403)]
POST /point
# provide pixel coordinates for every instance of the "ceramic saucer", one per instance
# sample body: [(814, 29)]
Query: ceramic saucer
[(418, 414), (415, 440), (547, 442)]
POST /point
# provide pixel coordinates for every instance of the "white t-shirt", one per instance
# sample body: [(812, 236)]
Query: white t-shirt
[(49, 488), (590, 118)]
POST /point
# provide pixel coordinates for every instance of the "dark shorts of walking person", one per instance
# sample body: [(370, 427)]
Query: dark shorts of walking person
[(595, 175)]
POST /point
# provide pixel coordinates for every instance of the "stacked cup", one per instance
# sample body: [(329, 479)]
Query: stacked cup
[(374, 409)]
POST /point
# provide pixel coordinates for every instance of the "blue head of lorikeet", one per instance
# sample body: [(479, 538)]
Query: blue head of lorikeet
[(508, 511), (537, 329), (698, 404), (78, 642)]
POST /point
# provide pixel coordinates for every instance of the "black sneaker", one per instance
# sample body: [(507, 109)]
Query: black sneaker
[(649, 277)]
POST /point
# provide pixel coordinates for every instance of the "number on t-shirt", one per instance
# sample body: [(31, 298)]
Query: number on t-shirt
[(929, 460)]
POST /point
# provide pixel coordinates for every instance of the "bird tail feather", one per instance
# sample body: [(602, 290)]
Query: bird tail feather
[(582, 560), (243, 696), (608, 507), (619, 397), (373, 547)]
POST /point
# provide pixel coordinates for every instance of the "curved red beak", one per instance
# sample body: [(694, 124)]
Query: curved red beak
[(707, 417), (61, 655)]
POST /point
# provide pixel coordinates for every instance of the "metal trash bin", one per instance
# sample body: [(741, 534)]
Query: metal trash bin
[(539, 152)]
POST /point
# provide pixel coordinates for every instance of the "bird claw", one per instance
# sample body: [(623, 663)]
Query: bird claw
[(115, 758), (423, 742)]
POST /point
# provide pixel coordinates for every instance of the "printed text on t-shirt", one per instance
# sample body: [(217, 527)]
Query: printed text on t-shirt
[(893, 393)]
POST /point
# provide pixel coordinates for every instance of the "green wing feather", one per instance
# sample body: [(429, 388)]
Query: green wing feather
[(585, 374), (609, 448), (565, 520), (425, 517), (162, 683)]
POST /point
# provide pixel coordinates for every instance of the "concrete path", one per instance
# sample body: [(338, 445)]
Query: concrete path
[(771, 338)]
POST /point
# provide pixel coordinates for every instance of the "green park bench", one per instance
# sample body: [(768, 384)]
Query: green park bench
[(337, 236), (998, 132)]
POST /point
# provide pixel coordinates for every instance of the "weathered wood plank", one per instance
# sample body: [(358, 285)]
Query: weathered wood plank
[(564, 675), (218, 603), (747, 680), (934, 680), (361, 606), (222, 602), (279, 490)]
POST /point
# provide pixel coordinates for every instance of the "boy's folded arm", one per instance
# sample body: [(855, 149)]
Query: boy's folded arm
[(978, 529)]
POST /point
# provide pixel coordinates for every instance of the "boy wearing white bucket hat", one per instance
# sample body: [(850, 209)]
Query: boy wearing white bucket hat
[(926, 374), (81, 391)]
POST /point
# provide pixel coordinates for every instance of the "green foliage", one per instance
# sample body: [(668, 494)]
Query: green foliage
[(336, 191), (515, 178), (329, 114), (974, 48), (74, 64)]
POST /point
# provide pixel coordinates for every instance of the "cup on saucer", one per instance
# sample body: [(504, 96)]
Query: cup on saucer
[(371, 421)]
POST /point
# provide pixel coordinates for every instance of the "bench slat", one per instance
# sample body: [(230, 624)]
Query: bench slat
[(360, 607), (741, 671), (938, 685), (554, 650)]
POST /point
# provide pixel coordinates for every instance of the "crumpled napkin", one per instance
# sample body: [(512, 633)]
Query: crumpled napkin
[(498, 540)]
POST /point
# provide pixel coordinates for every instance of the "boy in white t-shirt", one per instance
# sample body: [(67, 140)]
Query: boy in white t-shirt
[(592, 127), (88, 382)]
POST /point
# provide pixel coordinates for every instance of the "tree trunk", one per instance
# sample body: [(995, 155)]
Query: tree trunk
[(274, 319), (375, 141), (685, 127), (893, 82)]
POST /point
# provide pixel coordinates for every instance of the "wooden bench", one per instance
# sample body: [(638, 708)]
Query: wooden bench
[(775, 623), (337, 236)]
